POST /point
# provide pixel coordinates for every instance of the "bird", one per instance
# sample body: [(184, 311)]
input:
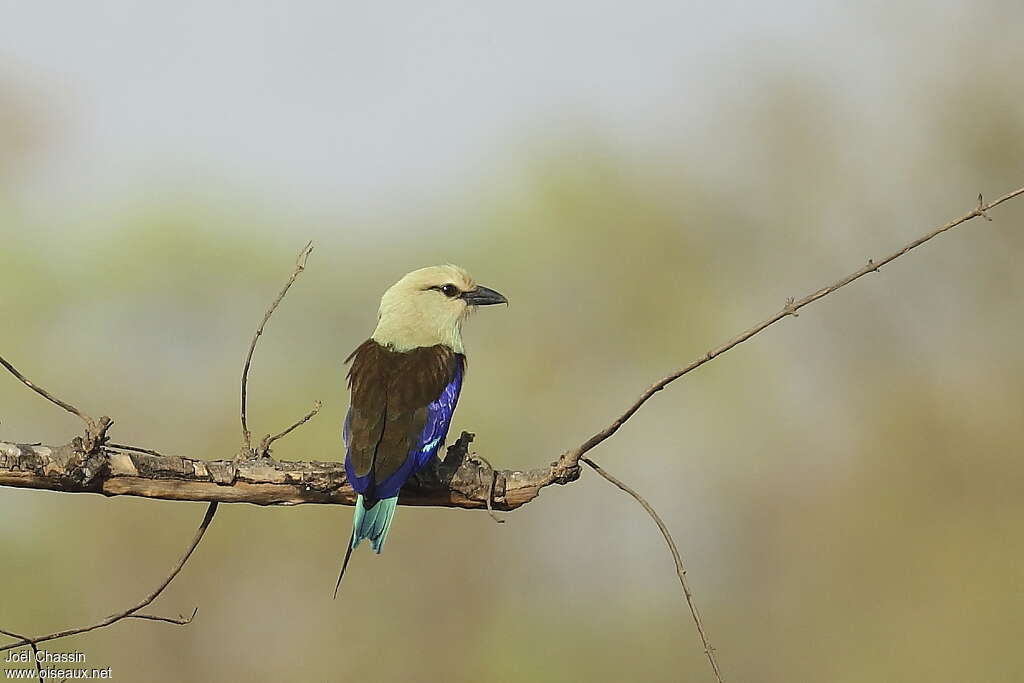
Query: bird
[(404, 383)]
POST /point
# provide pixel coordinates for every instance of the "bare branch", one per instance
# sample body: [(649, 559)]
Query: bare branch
[(95, 430), (569, 461), (211, 510), (300, 265), (265, 444), (179, 620), (676, 557), (46, 394), (35, 652), (792, 306), (459, 481), (136, 449)]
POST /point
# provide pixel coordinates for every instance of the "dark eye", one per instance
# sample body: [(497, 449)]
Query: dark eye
[(450, 291)]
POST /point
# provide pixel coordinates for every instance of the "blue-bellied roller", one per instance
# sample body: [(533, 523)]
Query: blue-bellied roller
[(404, 382)]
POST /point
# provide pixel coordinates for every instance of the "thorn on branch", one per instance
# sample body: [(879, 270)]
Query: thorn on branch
[(982, 210)]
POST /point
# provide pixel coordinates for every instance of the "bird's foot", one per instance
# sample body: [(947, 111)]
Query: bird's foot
[(491, 476)]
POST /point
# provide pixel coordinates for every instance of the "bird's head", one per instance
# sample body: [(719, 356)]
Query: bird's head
[(427, 307)]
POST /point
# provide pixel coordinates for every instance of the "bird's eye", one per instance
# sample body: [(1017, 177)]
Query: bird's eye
[(450, 291)]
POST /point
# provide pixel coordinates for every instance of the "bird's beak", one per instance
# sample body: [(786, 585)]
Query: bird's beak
[(482, 296)]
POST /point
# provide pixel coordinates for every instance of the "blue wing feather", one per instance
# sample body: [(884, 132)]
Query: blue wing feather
[(439, 418)]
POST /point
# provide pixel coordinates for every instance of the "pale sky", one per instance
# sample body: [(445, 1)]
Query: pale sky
[(365, 106)]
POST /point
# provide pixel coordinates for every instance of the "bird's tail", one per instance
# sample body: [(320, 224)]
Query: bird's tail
[(372, 524)]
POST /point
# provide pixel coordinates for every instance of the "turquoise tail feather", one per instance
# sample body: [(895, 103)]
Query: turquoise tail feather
[(374, 523)]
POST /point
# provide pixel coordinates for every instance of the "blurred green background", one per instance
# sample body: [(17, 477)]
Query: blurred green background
[(643, 182)]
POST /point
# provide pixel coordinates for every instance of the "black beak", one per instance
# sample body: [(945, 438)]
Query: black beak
[(482, 296)]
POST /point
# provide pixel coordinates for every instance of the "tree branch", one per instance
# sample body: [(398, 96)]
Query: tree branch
[(458, 481), (300, 265), (35, 651), (211, 510), (269, 440), (44, 393), (95, 430), (179, 620), (455, 483), (676, 557), (572, 458)]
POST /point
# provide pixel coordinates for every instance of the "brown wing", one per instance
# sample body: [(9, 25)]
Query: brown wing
[(367, 381), (390, 392)]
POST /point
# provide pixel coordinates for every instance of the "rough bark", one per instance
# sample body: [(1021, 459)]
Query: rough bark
[(458, 481)]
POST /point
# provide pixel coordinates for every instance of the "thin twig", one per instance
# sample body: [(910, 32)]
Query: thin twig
[(211, 510), (179, 620), (676, 557), (268, 440), (300, 265), (135, 449), (571, 458), (95, 430), (35, 651), (45, 394)]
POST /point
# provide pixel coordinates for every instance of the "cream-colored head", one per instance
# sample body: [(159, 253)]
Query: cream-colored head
[(427, 307)]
